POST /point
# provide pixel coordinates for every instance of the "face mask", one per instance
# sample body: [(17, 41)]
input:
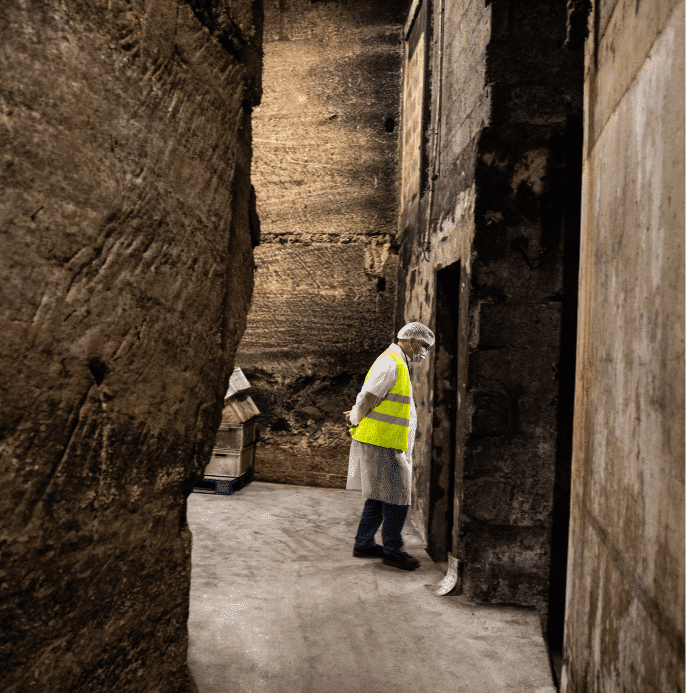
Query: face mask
[(420, 355)]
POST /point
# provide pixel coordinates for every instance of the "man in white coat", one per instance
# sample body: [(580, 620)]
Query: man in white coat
[(382, 424)]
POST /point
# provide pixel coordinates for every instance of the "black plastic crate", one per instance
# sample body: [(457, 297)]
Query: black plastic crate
[(224, 485)]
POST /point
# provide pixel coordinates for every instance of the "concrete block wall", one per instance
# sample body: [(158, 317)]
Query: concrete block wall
[(414, 106), (325, 174), (625, 601), (503, 214), (464, 113), (126, 271), (523, 313)]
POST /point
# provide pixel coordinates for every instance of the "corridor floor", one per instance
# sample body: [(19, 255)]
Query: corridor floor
[(280, 605)]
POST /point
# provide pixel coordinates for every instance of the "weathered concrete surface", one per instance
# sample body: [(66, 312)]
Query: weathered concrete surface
[(325, 175), (625, 603), (465, 110), (499, 226), (279, 605), (127, 271)]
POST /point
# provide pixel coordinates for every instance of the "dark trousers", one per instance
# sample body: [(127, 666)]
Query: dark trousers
[(393, 517)]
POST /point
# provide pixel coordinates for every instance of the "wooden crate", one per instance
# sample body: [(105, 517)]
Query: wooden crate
[(226, 462), (236, 436)]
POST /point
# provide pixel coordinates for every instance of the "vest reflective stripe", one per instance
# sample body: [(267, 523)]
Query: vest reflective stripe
[(397, 398), (388, 424), (388, 419)]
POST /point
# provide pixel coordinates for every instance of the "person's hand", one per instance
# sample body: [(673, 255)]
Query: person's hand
[(348, 422)]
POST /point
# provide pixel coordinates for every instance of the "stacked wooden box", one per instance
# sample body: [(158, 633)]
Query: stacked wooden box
[(233, 456)]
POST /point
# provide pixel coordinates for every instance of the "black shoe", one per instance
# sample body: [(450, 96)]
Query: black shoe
[(372, 552), (402, 560)]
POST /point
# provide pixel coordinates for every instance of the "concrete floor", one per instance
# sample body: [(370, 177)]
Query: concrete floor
[(279, 605)]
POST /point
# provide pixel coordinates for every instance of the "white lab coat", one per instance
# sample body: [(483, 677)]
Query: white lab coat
[(383, 474)]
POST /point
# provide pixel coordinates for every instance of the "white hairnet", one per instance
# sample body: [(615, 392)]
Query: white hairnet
[(415, 330)]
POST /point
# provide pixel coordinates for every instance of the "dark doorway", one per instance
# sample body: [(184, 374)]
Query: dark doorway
[(570, 186), (445, 406)]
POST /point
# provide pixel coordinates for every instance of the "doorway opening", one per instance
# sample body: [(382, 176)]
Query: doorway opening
[(566, 375), (445, 411)]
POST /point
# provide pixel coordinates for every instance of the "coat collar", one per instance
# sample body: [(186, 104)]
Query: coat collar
[(396, 348)]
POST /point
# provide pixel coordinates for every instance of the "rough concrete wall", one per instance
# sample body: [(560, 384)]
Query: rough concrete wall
[(503, 206), (625, 605), (325, 177), (127, 273), (522, 307), (464, 112)]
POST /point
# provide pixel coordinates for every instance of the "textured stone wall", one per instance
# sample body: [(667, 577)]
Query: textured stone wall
[(523, 303), (491, 251), (325, 174), (464, 112), (126, 277), (625, 603)]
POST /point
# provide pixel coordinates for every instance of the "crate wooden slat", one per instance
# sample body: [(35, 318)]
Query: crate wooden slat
[(239, 409), (236, 436), (226, 462)]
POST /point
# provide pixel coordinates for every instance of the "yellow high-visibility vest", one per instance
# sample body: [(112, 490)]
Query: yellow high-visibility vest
[(388, 424)]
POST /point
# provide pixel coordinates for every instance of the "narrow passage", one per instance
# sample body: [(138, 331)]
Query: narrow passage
[(279, 604)]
